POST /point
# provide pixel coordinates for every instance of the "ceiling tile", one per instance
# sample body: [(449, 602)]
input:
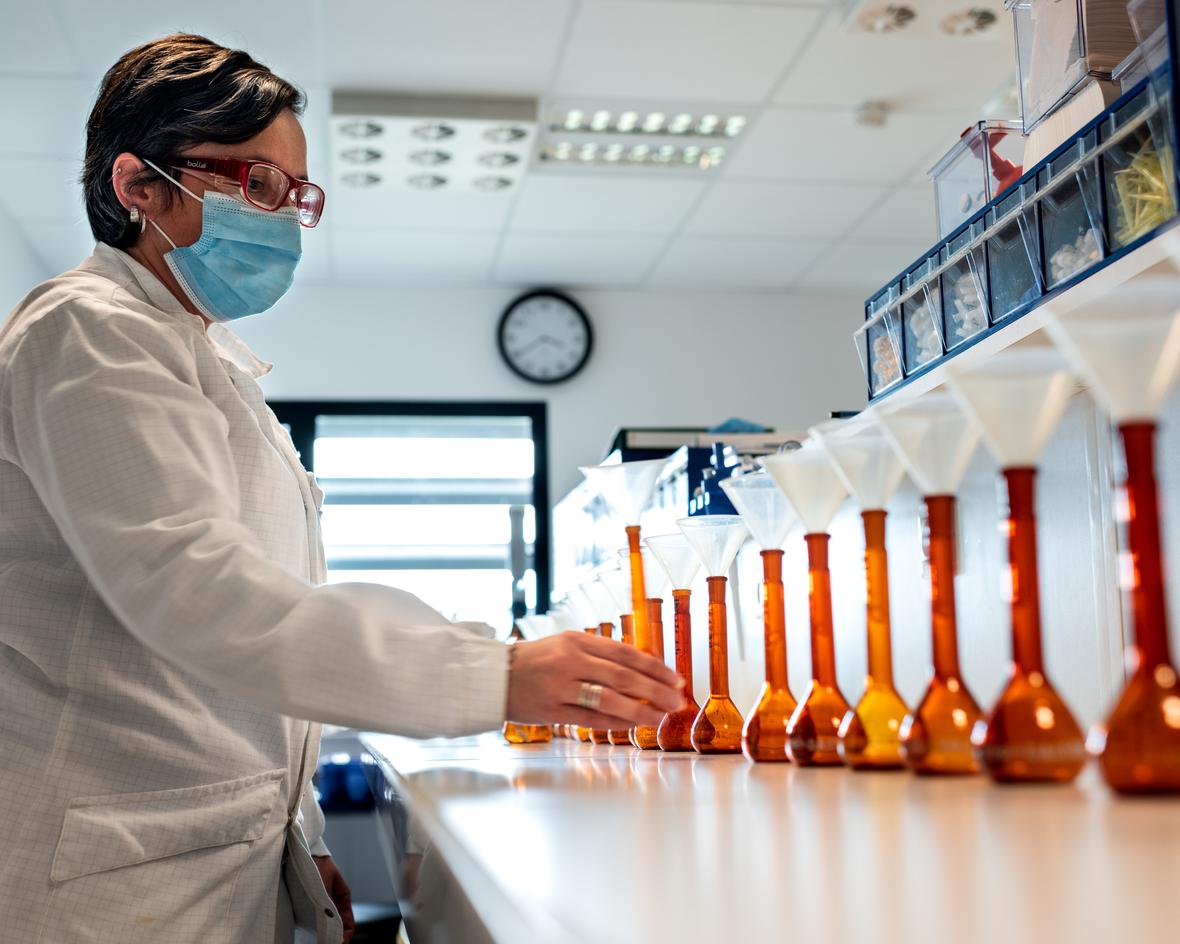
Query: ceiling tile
[(285, 38), (576, 260), (417, 209), (828, 144), (61, 246), (49, 190), (860, 265), (681, 51), (482, 47), (931, 71), (31, 42), (742, 208), (44, 116), (436, 259), (604, 203), (907, 213), (761, 263)]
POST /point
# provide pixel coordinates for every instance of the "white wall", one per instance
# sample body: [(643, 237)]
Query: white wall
[(20, 269), (660, 358)]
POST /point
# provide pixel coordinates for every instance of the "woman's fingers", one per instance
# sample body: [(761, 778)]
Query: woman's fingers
[(639, 687), (632, 658)]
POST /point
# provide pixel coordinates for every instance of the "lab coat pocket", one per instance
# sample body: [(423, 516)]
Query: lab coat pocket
[(160, 865)]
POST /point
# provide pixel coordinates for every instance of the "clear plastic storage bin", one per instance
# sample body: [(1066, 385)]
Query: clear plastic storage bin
[(1139, 169), (921, 317), (878, 343), (1071, 212), (984, 162), (1013, 254), (964, 288), (1061, 42)]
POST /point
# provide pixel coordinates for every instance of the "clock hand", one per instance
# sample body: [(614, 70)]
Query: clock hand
[(532, 344)]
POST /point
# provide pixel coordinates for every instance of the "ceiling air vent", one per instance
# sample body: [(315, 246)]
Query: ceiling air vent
[(886, 18), (969, 22), (934, 19)]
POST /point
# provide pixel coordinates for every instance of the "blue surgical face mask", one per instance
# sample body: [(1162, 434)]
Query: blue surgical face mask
[(244, 261)]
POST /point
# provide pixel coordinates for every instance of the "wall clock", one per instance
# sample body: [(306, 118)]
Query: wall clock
[(545, 337)]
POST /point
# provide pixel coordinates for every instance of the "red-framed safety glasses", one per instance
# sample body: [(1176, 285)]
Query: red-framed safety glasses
[(263, 185)]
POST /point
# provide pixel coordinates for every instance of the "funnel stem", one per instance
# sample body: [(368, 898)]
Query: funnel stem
[(655, 622), (823, 643), (1022, 570), (627, 627), (718, 640), (1148, 606), (940, 516), (682, 601), (638, 591), (877, 607), (774, 619), (606, 630)]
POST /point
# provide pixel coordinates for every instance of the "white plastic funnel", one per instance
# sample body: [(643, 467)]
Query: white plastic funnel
[(763, 507), (583, 607), (1016, 399), (933, 438), (655, 579), (716, 540), (810, 484), (563, 617), (628, 487), (601, 600), (618, 584), (676, 558), (862, 458), (1126, 344)]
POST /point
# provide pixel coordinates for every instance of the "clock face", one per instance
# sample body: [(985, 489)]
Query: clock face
[(545, 337)]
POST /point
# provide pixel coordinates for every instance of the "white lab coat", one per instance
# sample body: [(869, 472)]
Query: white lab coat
[(163, 626)]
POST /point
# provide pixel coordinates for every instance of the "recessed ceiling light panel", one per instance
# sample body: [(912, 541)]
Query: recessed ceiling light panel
[(431, 144)]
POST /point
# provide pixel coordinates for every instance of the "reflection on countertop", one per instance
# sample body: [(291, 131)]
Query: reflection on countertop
[(693, 848)]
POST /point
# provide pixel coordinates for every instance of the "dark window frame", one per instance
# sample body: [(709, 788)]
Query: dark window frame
[(300, 418)]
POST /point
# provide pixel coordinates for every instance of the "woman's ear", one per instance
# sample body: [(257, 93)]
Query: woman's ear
[(131, 191)]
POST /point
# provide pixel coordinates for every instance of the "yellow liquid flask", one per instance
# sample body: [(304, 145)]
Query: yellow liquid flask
[(525, 733), (628, 488), (1127, 346), (1017, 398), (716, 540), (816, 493), (935, 442), (679, 561), (769, 516), (870, 734)]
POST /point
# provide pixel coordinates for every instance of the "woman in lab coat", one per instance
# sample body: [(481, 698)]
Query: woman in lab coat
[(167, 646)]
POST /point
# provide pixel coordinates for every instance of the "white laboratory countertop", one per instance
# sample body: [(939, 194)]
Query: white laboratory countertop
[(572, 842)]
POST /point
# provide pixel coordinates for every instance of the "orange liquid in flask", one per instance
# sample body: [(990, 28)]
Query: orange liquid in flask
[(936, 736), (1141, 749), (813, 731), (764, 736), (675, 731), (1031, 734), (718, 727)]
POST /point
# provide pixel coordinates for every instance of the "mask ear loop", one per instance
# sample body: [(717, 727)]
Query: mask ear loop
[(155, 225)]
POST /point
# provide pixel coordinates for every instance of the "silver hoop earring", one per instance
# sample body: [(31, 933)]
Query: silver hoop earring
[(134, 215)]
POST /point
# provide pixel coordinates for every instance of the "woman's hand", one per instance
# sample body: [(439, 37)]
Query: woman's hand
[(548, 675), (337, 890)]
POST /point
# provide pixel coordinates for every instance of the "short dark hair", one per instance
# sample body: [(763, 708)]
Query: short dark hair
[(167, 95)]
